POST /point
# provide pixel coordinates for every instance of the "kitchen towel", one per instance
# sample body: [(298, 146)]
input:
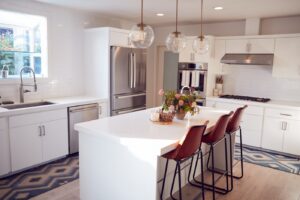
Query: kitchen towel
[(185, 78), (195, 78)]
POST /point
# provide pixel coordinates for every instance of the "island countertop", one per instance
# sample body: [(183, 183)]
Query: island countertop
[(135, 130)]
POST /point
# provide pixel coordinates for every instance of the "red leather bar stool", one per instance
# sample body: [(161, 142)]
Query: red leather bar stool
[(212, 139), (233, 126), (188, 147)]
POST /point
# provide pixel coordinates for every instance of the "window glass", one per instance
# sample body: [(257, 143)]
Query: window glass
[(23, 43)]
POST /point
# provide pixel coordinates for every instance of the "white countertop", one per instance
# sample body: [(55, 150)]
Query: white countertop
[(271, 104), (136, 131), (59, 103)]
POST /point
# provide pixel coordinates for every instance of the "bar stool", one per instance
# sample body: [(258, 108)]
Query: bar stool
[(189, 146), (216, 136), (232, 127)]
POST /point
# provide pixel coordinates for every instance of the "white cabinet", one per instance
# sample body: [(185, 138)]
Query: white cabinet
[(281, 131), (103, 110), (5, 167), (37, 138), (119, 37), (286, 58), (188, 54), (251, 122), (259, 45)]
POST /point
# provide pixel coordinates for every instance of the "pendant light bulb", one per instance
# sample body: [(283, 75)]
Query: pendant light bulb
[(176, 41), (201, 44), (141, 35)]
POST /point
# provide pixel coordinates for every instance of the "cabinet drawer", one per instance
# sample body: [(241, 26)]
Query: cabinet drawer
[(252, 110), (36, 118), (283, 113)]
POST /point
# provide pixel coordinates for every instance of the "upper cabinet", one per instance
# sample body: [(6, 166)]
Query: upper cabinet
[(261, 45), (119, 37), (188, 55), (286, 58)]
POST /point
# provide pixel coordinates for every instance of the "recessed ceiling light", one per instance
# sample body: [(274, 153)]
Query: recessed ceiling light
[(218, 8), (160, 14)]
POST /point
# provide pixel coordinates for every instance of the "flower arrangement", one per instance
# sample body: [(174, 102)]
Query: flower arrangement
[(178, 103)]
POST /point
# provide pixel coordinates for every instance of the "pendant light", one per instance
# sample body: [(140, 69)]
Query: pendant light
[(176, 41), (201, 44), (141, 35)]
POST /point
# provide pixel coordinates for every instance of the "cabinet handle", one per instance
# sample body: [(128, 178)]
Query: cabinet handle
[(40, 131), (44, 130), (288, 115), (285, 126)]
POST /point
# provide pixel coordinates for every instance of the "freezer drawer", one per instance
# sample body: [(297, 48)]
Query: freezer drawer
[(125, 101), (128, 110), (79, 114)]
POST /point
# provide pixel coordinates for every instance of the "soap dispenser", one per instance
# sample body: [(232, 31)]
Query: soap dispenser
[(4, 71)]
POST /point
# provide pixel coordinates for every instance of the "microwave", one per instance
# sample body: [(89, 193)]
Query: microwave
[(189, 69)]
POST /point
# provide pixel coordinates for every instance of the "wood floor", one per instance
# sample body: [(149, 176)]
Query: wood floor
[(259, 183)]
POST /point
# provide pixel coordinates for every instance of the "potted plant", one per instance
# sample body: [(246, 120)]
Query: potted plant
[(178, 103)]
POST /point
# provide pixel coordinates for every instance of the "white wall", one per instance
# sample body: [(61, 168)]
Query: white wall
[(258, 81), (65, 49)]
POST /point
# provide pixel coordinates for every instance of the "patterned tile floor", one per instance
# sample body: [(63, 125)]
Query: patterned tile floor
[(45, 178), (271, 160), (39, 180)]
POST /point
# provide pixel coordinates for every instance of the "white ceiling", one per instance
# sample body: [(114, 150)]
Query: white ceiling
[(189, 9)]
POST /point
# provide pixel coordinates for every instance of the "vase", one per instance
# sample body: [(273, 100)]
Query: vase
[(180, 115)]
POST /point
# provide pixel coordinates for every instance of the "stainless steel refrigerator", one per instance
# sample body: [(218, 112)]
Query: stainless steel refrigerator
[(127, 80)]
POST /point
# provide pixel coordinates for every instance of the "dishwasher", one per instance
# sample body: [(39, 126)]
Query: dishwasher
[(77, 114)]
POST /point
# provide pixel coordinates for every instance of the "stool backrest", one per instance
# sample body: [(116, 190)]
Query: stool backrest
[(235, 121), (191, 143), (219, 130)]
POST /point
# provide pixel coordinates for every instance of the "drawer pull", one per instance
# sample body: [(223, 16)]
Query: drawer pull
[(283, 114)]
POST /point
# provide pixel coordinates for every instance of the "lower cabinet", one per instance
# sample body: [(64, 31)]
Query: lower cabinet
[(44, 139), (5, 167), (282, 135)]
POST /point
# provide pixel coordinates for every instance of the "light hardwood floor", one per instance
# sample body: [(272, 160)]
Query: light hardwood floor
[(259, 183)]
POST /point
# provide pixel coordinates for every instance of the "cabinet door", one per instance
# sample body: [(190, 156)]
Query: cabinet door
[(261, 45), (55, 139), (119, 39), (252, 129), (273, 134), (103, 110), (292, 137), (26, 146), (286, 58), (237, 46), (4, 152)]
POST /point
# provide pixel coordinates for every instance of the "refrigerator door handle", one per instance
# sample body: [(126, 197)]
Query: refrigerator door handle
[(131, 70), (134, 70), (131, 110), (130, 96)]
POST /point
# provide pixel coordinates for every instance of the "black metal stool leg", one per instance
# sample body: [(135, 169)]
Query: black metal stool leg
[(164, 180), (202, 175), (231, 160), (242, 157), (179, 179), (171, 192), (213, 173), (226, 163)]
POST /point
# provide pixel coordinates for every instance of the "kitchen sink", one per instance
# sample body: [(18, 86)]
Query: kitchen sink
[(27, 105)]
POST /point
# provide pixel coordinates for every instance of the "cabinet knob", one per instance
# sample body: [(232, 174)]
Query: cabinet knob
[(40, 131)]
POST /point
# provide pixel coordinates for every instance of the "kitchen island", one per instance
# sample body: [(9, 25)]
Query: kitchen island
[(120, 156)]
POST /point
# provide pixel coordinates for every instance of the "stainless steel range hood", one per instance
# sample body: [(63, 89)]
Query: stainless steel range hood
[(248, 59)]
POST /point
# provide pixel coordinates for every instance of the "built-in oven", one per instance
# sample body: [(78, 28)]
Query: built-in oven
[(193, 75)]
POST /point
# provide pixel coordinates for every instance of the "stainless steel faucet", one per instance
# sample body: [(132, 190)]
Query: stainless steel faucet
[(22, 91), (182, 89)]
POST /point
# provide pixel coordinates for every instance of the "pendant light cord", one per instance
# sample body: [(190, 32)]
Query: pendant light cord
[(142, 14), (201, 35), (176, 31)]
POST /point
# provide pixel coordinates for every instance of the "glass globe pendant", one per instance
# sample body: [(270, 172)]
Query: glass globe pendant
[(141, 35), (176, 41), (201, 44)]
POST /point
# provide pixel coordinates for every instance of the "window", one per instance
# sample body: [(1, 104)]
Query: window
[(23, 43)]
